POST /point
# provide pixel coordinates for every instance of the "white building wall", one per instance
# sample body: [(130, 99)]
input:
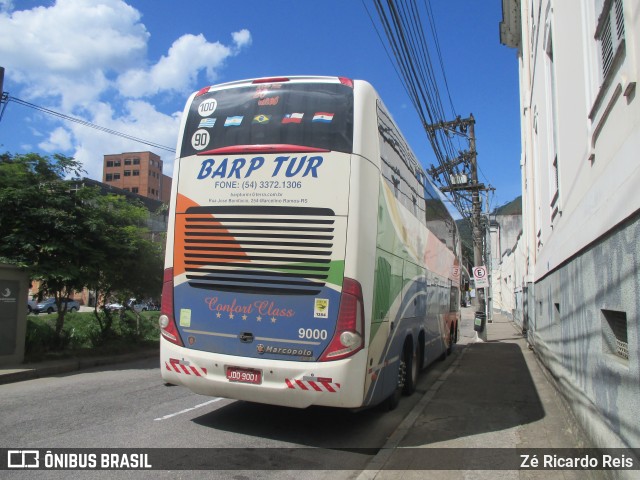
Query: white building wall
[(596, 128), (581, 203)]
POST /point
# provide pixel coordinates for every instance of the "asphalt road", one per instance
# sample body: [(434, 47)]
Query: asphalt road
[(128, 406)]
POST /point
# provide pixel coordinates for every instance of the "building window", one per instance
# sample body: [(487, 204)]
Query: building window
[(109, 177), (610, 34), (136, 161), (116, 176), (134, 189), (109, 163), (136, 173), (614, 334), (127, 173), (552, 106), (127, 161), (116, 163)]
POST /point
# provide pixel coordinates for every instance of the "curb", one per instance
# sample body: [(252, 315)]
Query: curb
[(376, 464), (32, 371)]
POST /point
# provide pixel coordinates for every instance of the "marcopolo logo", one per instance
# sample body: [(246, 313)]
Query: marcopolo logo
[(294, 352)]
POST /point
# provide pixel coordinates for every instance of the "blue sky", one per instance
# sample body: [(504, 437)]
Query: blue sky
[(129, 65)]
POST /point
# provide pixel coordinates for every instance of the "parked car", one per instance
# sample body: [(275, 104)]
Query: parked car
[(138, 306), (113, 306), (31, 305), (49, 306)]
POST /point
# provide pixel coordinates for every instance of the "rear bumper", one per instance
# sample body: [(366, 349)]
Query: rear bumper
[(286, 383)]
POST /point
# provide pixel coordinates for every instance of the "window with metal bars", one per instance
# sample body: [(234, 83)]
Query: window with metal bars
[(614, 334)]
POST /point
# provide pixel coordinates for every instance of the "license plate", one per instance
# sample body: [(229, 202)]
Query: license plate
[(244, 375)]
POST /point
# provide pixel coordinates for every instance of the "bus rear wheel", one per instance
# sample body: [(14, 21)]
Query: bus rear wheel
[(412, 367), (407, 375), (452, 340)]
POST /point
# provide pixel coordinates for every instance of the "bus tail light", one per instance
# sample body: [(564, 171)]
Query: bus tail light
[(349, 335), (346, 81), (270, 80), (202, 91), (167, 321)]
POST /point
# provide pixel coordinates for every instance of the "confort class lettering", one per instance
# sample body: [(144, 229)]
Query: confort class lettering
[(243, 168), (264, 307)]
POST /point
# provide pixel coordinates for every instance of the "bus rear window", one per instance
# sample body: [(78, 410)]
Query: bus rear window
[(317, 115)]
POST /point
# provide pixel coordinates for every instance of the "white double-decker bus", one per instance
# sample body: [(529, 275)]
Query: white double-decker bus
[(309, 259)]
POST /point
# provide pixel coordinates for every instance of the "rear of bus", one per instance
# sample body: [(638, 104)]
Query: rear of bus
[(255, 302)]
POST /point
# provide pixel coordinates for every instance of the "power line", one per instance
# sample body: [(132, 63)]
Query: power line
[(401, 21), (416, 59), (87, 124)]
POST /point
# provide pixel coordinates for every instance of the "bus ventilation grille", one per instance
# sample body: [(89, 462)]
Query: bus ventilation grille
[(267, 250)]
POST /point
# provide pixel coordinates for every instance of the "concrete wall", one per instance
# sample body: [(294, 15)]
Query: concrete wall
[(507, 279), (580, 177), (505, 230), (571, 333), (14, 289)]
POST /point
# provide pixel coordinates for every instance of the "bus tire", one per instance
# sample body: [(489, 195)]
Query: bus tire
[(394, 399), (451, 340), (412, 367)]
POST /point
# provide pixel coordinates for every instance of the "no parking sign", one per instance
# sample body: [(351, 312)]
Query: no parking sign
[(480, 276)]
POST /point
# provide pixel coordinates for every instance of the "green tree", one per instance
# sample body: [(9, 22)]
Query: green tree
[(39, 219), (126, 263), (69, 236)]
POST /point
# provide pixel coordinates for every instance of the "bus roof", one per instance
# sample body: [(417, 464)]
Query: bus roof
[(267, 80)]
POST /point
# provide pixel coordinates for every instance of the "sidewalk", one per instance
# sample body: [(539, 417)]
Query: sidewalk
[(49, 368), (495, 395)]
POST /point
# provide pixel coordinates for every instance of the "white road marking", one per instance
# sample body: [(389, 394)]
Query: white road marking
[(188, 409)]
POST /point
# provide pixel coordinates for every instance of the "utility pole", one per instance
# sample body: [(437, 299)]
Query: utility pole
[(476, 212), (4, 97), (467, 162)]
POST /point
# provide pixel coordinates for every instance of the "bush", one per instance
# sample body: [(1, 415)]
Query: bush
[(82, 335), (40, 337)]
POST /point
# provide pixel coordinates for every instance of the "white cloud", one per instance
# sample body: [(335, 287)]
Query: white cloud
[(6, 5), (68, 49), (138, 119), (59, 141), (178, 70), (83, 58), (242, 38)]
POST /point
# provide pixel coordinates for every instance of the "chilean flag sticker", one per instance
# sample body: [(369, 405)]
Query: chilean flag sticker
[(323, 117), (293, 118)]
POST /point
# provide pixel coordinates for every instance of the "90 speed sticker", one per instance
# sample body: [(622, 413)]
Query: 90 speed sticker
[(200, 139)]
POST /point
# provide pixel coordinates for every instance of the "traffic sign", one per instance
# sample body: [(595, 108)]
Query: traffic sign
[(480, 276)]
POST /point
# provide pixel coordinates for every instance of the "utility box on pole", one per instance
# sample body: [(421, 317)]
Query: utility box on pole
[(14, 291)]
